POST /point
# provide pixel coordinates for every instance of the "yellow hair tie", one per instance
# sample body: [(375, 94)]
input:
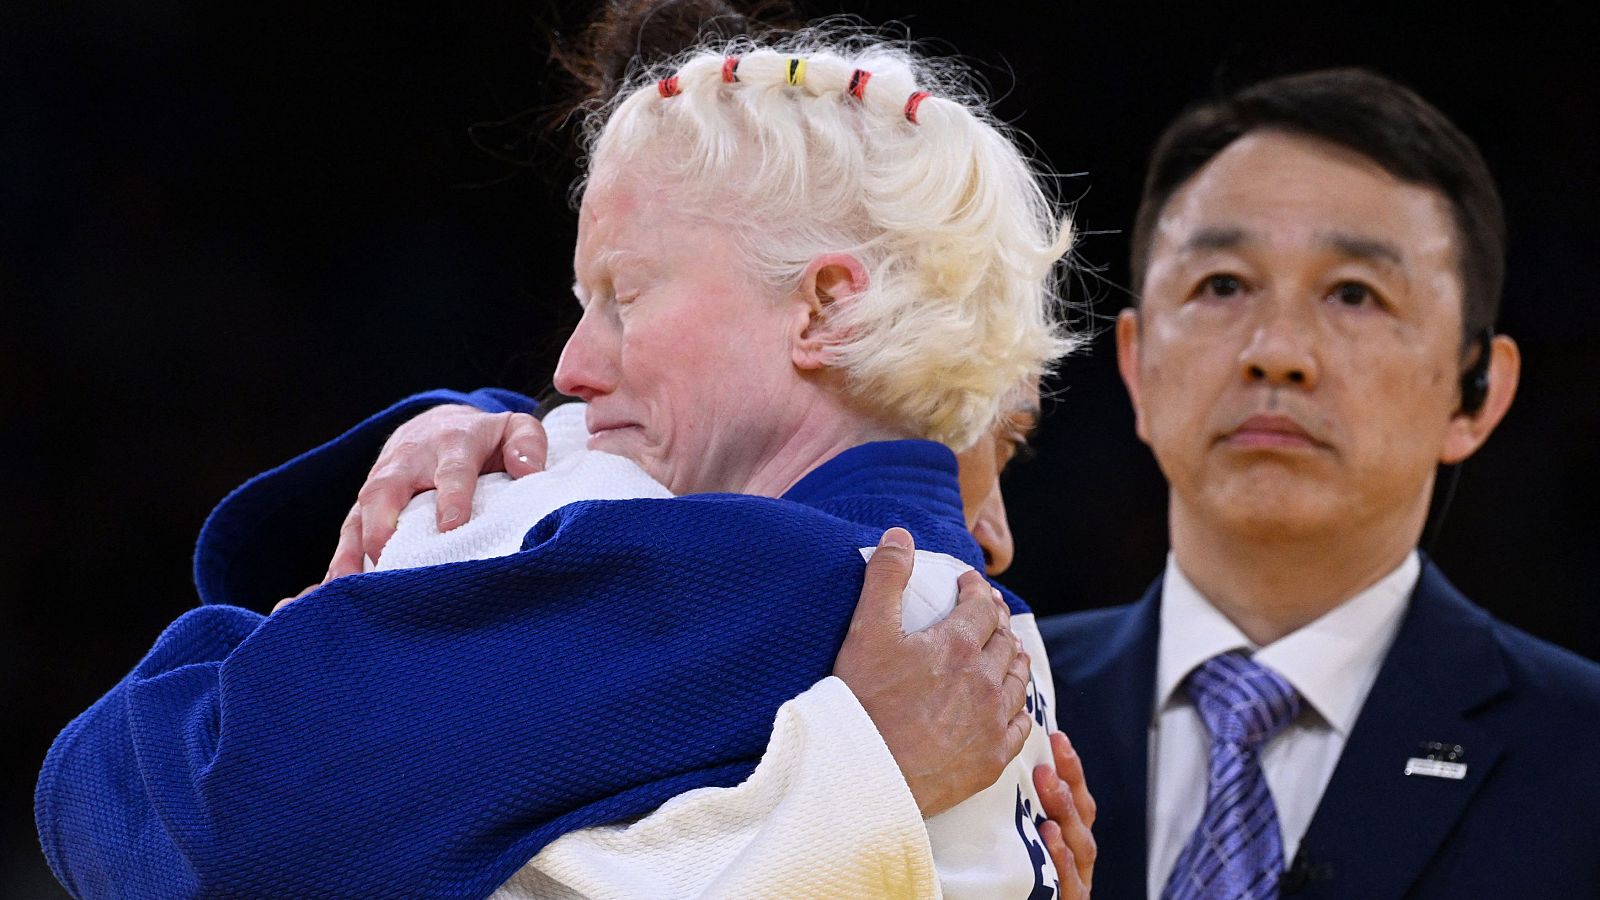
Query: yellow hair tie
[(797, 72)]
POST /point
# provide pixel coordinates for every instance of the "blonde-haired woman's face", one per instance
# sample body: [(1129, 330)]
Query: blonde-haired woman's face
[(682, 356)]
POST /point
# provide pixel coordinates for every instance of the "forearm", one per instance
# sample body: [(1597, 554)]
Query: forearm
[(111, 792)]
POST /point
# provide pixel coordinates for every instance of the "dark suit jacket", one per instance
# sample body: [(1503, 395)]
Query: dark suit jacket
[(1524, 822)]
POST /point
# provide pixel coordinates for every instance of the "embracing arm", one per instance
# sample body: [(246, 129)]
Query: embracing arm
[(833, 809), (933, 752), (269, 537)]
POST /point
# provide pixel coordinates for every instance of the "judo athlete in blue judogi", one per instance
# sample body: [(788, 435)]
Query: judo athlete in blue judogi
[(428, 731)]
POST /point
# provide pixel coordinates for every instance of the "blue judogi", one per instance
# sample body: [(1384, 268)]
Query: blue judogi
[(427, 731)]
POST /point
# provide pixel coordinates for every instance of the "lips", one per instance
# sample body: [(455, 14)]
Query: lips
[(601, 428), (1272, 431)]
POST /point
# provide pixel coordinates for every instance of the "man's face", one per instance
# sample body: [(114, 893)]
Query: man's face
[(1295, 363)]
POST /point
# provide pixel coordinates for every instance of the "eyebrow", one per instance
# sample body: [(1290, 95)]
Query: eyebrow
[(1350, 245), (1213, 238), (1362, 248)]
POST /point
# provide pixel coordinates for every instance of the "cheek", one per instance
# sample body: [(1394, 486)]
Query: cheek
[(979, 479), (1180, 386)]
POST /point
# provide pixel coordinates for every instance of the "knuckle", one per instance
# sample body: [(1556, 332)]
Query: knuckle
[(456, 433), (453, 466), (405, 448)]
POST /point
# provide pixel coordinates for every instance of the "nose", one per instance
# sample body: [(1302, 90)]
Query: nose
[(588, 366), (993, 531), (1281, 351)]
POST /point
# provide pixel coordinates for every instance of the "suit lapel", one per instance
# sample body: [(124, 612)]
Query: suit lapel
[(1376, 827), (1104, 699)]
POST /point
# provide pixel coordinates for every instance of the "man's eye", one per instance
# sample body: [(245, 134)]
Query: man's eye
[(1221, 285), (1351, 293)]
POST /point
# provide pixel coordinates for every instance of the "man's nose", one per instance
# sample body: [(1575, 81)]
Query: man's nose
[(1282, 350), (588, 361)]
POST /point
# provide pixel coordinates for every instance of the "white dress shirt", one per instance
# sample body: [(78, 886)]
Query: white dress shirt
[(1331, 662)]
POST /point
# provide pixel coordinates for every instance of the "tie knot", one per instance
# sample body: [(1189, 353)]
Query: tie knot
[(1242, 702)]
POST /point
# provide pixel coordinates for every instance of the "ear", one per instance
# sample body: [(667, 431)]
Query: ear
[(1128, 364), (1467, 431), (831, 279)]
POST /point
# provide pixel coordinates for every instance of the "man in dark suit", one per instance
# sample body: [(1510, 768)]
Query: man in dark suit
[(1302, 703)]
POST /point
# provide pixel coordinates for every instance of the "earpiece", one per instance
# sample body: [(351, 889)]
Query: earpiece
[(1475, 381)]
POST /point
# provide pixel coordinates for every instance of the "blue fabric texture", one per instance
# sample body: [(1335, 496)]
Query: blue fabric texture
[(425, 732)]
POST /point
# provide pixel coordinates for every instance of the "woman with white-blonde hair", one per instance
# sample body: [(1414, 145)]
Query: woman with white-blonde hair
[(809, 272)]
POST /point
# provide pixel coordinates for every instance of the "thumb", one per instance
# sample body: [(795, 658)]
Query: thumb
[(888, 573)]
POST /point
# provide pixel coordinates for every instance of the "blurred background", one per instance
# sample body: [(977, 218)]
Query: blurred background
[(229, 231)]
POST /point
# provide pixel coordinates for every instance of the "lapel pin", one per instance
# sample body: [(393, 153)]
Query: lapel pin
[(1438, 760)]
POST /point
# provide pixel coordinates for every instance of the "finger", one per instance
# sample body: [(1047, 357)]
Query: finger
[(976, 615), (455, 477), (525, 446), (347, 555), (1017, 731), (1081, 845), (1057, 803), (386, 492), (1069, 768), (888, 573), (1061, 855), (1001, 651), (1014, 689)]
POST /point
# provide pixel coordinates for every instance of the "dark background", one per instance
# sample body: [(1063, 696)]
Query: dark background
[(228, 231)]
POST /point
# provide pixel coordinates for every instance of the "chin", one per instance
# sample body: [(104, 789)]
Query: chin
[(1276, 504)]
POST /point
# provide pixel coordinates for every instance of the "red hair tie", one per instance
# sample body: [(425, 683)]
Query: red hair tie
[(912, 102), (858, 84), (668, 87), (730, 69)]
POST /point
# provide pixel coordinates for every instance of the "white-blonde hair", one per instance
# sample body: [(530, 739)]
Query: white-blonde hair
[(958, 231)]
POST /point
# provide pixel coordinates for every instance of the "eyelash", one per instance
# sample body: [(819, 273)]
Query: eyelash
[(1208, 285), (1369, 296), (1236, 285)]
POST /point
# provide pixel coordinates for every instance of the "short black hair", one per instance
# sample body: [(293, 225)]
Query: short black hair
[(1365, 112)]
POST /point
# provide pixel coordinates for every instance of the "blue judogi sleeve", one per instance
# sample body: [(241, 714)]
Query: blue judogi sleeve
[(425, 732), (273, 535)]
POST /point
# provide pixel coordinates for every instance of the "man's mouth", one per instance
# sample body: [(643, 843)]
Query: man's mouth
[(1272, 431)]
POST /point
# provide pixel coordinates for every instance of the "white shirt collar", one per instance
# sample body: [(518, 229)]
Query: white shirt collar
[(1332, 661)]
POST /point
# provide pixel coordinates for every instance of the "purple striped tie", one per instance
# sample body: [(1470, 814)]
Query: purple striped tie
[(1237, 851)]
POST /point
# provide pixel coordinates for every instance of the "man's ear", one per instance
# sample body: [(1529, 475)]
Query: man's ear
[(1128, 364), (1467, 431), (830, 280)]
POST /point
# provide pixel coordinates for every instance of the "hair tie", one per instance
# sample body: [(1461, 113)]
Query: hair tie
[(858, 84), (730, 69), (797, 71), (912, 102), (668, 87)]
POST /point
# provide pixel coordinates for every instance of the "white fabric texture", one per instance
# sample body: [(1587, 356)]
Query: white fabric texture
[(1332, 663), (826, 813), (503, 509)]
